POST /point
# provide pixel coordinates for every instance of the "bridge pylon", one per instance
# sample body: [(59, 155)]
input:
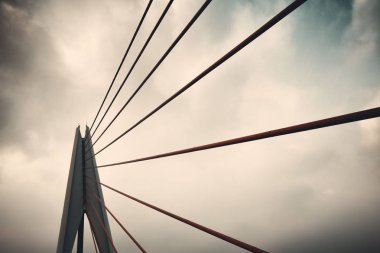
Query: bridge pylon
[(82, 199)]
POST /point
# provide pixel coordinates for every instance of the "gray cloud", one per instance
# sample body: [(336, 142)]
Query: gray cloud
[(310, 192), (362, 38), (353, 236), (29, 75)]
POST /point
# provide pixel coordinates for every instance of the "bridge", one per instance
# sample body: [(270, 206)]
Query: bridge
[(84, 193)]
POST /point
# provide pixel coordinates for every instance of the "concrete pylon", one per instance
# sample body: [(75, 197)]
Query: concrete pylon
[(81, 200)]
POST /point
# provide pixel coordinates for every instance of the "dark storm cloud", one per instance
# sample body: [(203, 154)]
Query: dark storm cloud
[(367, 27), (15, 42), (324, 24), (373, 20), (352, 230), (5, 112), (26, 56), (14, 56), (349, 237)]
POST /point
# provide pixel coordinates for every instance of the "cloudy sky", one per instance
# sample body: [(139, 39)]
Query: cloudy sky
[(310, 192)]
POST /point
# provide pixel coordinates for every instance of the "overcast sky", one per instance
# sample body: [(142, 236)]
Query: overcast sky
[(310, 192)]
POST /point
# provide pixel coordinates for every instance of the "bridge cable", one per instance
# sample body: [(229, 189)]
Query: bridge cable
[(187, 27), (135, 62), (337, 120), (103, 226), (95, 231), (122, 61), (121, 225), (93, 239), (219, 235), (294, 5)]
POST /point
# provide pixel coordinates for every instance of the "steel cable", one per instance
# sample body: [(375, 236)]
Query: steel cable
[(103, 226), (219, 235), (122, 61), (183, 32), (121, 225), (337, 120), (135, 62), (294, 5)]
